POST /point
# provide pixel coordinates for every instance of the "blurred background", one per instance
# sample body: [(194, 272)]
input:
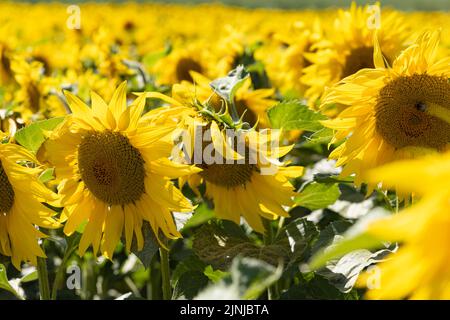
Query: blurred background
[(407, 5)]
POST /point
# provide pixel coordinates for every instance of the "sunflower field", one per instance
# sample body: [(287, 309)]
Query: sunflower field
[(209, 152)]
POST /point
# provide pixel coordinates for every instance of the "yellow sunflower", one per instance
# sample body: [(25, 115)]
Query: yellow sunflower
[(246, 181), (394, 112), (228, 49), (285, 58), (21, 207), (114, 173), (5, 65), (420, 268), (178, 64), (253, 104), (30, 96), (350, 48)]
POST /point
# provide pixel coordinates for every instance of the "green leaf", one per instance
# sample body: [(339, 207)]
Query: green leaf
[(31, 137), (316, 195), (4, 283), (191, 263), (217, 245), (294, 115), (32, 276), (322, 136), (201, 215), (214, 275), (332, 178), (343, 272), (47, 175), (327, 235), (297, 237), (316, 288), (226, 87), (248, 279), (354, 238), (189, 285), (150, 248)]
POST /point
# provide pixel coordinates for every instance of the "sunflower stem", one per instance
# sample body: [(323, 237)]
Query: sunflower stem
[(272, 291), (44, 286), (165, 274), (280, 226), (397, 205), (72, 246), (233, 112)]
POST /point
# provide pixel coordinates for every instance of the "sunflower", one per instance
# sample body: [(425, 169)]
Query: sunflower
[(21, 207), (246, 181), (37, 95), (350, 49), (252, 104), (178, 64), (114, 173), (103, 55), (394, 112), (30, 96), (415, 271), (5, 65), (285, 59), (229, 49)]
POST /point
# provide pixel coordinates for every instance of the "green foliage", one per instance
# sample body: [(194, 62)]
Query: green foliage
[(248, 278), (201, 215), (32, 136), (313, 286), (4, 283), (294, 115), (150, 248), (354, 238), (318, 195), (47, 175)]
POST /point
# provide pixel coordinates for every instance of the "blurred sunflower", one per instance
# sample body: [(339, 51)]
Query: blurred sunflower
[(392, 113), (37, 96), (103, 55), (113, 173), (351, 49), (285, 58), (240, 188), (21, 207), (5, 64), (30, 96), (229, 49), (178, 64), (415, 271)]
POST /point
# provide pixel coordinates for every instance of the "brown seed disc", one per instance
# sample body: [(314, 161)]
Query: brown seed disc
[(402, 118), (112, 169)]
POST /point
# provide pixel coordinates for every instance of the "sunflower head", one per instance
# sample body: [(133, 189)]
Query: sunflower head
[(21, 205), (180, 62), (238, 165), (393, 112), (351, 48), (114, 172)]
